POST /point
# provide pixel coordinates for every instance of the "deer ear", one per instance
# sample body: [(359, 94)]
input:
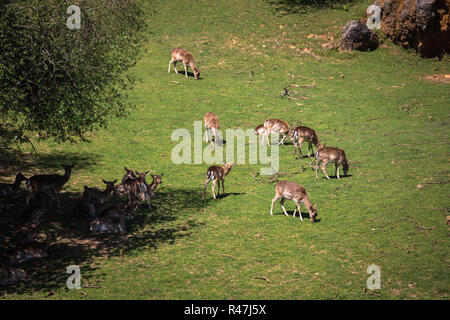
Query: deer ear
[(105, 182), (161, 174), (146, 173), (152, 175), (114, 181)]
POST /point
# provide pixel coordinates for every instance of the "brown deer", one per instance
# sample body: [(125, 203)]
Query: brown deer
[(108, 223), (156, 180), (10, 275), (185, 57), (276, 125), (136, 190), (295, 192), (260, 131), (326, 155), (116, 211), (32, 213), (7, 189), (49, 182), (85, 205), (217, 174), (30, 250), (212, 126), (101, 197), (302, 134)]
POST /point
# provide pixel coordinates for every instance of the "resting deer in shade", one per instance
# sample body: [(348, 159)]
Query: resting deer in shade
[(217, 174), (7, 189), (326, 155), (49, 182), (276, 125), (212, 126), (260, 131), (185, 57), (295, 192), (10, 275), (302, 134)]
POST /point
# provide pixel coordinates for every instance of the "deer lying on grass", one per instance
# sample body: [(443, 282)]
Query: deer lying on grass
[(260, 131), (212, 126), (29, 251), (32, 213), (302, 134), (8, 189), (156, 180), (276, 125), (49, 182), (114, 211), (185, 57), (295, 192), (326, 155), (108, 224), (217, 174), (10, 275), (101, 197)]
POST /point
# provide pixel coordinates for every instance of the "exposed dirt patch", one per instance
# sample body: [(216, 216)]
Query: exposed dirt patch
[(442, 78)]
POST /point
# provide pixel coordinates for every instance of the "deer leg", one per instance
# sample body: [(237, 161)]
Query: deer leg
[(324, 167), (273, 201), (218, 187), (185, 69), (300, 144), (175, 66), (204, 190), (299, 210), (309, 148), (282, 206), (171, 61), (149, 205), (337, 170), (317, 168), (213, 188), (223, 186)]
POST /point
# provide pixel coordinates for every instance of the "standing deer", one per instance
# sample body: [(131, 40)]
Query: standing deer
[(152, 187), (276, 125), (98, 196), (217, 174), (327, 155), (295, 192), (120, 188), (260, 131), (302, 134), (185, 57), (49, 182), (7, 189), (212, 126)]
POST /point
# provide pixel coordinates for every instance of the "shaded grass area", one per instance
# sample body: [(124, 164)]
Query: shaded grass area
[(392, 124)]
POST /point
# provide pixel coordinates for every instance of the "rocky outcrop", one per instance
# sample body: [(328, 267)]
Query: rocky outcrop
[(423, 25), (356, 36)]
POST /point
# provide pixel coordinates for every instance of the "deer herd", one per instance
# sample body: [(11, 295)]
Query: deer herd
[(42, 190)]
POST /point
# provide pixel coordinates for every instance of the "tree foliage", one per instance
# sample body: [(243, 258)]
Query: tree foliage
[(57, 83)]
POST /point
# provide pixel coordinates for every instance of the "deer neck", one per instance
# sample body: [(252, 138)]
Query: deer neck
[(307, 204)]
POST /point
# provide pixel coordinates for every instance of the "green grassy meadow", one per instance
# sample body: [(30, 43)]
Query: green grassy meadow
[(392, 124)]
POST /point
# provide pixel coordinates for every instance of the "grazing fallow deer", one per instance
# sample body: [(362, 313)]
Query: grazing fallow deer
[(101, 197), (212, 126), (260, 131), (217, 174), (7, 189), (302, 134), (295, 192), (10, 275), (152, 187), (276, 125), (49, 182), (326, 155), (185, 57)]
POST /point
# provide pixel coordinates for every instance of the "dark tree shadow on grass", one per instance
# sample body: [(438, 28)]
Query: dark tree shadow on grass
[(302, 6), (76, 245)]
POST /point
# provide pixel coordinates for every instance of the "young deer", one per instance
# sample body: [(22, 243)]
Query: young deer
[(212, 126), (260, 131), (101, 197), (276, 125), (152, 187), (7, 189), (49, 182), (295, 192), (327, 155), (185, 57), (302, 134), (217, 174)]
